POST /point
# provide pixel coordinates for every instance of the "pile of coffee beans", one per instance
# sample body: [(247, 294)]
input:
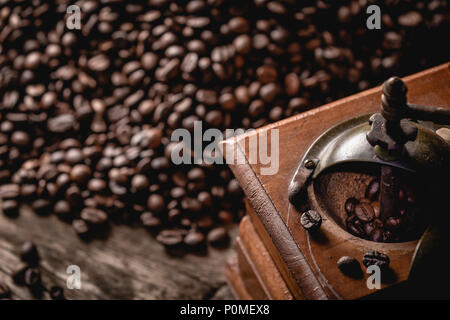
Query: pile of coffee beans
[(364, 219), (86, 115), (28, 274)]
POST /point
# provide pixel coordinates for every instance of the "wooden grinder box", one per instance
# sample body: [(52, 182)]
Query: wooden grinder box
[(277, 259)]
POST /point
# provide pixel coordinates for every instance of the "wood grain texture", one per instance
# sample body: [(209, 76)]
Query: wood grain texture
[(264, 267), (268, 193), (234, 281), (129, 264)]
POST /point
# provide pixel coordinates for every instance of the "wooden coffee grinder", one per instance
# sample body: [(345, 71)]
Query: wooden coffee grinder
[(362, 182)]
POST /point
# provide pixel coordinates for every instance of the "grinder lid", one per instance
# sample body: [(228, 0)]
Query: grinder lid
[(347, 142)]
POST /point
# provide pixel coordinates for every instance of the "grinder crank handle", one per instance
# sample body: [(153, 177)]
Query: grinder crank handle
[(439, 115)]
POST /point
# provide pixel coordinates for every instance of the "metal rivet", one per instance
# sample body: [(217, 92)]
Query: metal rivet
[(311, 220), (310, 164)]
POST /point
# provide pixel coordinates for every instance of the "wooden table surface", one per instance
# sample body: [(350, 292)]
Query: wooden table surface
[(129, 264)]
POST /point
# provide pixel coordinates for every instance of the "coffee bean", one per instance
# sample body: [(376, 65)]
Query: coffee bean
[(10, 208), (376, 235), (311, 220), (18, 275), (194, 239), (94, 216), (393, 223), (292, 84), (170, 238), (369, 227), (80, 227), (29, 253), (56, 293), (32, 277), (80, 173), (9, 191), (350, 205), (41, 206), (349, 266), (376, 258), (373, 190), (242, 44), (364, 212), (98, 63), (217, 236), (355, 226), (5, 291), (155, 203), (62, 208), (139, 182), (61, 124), (376, 208), (96, 185), (149, 220), (267, 74), (234, 189), (410, 19)]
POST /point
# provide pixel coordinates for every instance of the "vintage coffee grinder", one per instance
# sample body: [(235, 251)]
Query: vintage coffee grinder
[(370, 190)]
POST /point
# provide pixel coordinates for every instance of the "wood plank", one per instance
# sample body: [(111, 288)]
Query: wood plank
[(234, 281), (265, 268), (129, 264)]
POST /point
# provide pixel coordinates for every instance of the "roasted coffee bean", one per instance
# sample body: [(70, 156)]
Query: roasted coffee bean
[(373, 190), (56, 293), (350, 205), (393, 223), (234, 189), (29, 253), (62, 209), (376, 235), (364, 212), (94, 216), (42, 206), (61, 124), (149, 220), (355, 226), (170, 238), (139, 182), (98, 63), (32, 277), (9, 191), (369, 227), (376, 258), (5, 291), (311, 220), (80, 227), (155, 203), (376, 208), (349, 266), (10, 208), (96, 185), (18, 275), (194, 238), (217, 236), (80, 173)]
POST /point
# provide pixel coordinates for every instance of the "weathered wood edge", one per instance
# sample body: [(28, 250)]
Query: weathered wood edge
[(275, 226)]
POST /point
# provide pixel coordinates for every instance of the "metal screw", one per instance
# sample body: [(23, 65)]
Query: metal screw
[(310, 164), (311, 220)]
